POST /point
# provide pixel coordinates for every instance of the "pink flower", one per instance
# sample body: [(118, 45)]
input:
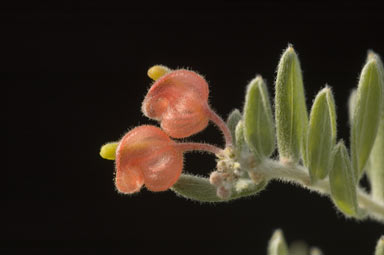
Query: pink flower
[(179, 100), (146, 155)]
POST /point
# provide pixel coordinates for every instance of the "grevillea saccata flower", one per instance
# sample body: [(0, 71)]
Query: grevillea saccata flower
[(179, 100), (146, 155)]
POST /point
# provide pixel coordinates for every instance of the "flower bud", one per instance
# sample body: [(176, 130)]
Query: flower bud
[(179, 100), (146, 155), (216, 178)]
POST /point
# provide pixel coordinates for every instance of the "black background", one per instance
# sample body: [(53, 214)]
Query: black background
[(75, 79)]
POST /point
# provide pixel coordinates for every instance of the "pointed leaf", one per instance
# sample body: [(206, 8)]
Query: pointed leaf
[(341, 179), (366, 115), (380, 246), (321, 134), (259, 129), (352, 105), (233, 118), (277, 244), (290, 108), (376, 161)]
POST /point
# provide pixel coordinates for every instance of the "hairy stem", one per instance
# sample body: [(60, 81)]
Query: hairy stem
[(189, 146), (220, 123), (272, 169)]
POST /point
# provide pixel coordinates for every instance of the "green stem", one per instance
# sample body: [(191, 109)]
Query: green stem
[(272, 169)]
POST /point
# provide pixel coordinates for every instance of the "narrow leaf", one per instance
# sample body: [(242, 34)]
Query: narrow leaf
[(376, 161), (366, 115), (200, 189), (352, 105), (343, 186), (241, 145), (290, 108), (233, 118), (277, 244), (321, 134), (259, 129), (380, 246)]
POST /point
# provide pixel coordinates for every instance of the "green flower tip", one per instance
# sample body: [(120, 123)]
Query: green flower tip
[(108, 151)]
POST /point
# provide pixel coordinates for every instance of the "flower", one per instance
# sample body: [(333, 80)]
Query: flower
[(146, 155), (179, 100)]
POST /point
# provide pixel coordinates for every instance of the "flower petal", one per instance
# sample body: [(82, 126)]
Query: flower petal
[(146, 155), (129, 180), (180, 100), (162, 171)]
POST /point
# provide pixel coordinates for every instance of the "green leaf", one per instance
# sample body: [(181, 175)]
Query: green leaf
[(200, 189), (290, 108), (341, 179), (376, 160), (241, 145), (277, 244), (233, 118), (380, 247), (351, 105), (321, 134), (259, 129), (366, 115)]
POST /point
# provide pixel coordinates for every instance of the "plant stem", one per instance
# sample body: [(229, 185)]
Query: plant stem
[(189, 146), (272, 169), (220, 123)]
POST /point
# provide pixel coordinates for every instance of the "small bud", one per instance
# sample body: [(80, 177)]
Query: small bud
[(216, 178), (146, 155), (233, 118), (366, 115), (341, 179), (157, 71), (259, 129), (179, 100), (108, 151), (380, 246), (290, 108), (277, 244), (321, 134), (223, 192)]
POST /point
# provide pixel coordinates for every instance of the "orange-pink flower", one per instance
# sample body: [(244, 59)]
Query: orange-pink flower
[(146, 155), (179, 100)]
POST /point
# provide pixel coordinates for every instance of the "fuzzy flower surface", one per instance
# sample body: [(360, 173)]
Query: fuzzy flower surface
[(179, 101), (147, 156)]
